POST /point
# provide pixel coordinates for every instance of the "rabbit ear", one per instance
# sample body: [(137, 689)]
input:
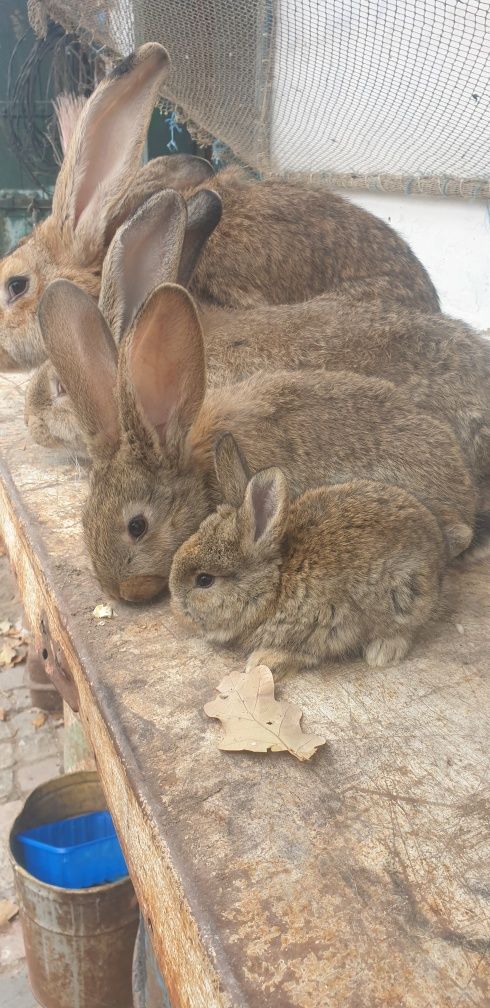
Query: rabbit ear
[(144, 253), (105, 150), (231, 470), (160, 173), (84, 356), (265, 508), (67, 109), (203, 215), (162, 369)]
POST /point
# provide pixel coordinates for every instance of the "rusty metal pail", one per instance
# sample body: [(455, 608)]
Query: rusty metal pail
[(149, 990), (79, 942)]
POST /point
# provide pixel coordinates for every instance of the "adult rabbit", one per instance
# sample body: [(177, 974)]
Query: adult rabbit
[(282, 240)]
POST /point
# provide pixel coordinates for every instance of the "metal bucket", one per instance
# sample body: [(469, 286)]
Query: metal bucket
[(149, 990), (79, 942)]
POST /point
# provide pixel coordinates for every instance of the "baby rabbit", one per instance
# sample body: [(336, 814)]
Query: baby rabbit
[(342, 570), (152, 428), (283, 240)]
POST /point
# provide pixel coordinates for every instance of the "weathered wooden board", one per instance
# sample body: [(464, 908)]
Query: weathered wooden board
[(358, 880)]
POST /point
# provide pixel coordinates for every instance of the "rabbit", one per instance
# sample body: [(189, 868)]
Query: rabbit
[(442, 363), (163, 239), (282, 240), (343, 569), (151, 422), (50, 417)]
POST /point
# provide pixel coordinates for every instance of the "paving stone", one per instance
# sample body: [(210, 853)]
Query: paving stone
[(22, 723), (22, 699), (11, 944), (7, 885), (6, 730), (12, 678), (41, 744), (6, 755), (29, 777), (15, 991), (8, 812), (6, 783), (35, 752)]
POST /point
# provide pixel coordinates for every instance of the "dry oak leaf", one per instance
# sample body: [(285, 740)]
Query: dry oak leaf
[(254, 720), (8, 911), (39, 719), (8, 656)]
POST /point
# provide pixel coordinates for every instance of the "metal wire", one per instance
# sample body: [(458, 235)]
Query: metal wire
[(58, 62)]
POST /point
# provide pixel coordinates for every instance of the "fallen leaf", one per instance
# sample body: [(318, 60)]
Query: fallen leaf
[(3, 714), (39, 720), (8, 911), (254, 720), (5, 627), (8, 655), (103, 612)]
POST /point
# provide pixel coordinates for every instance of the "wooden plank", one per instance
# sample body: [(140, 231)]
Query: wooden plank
[(359, 879)]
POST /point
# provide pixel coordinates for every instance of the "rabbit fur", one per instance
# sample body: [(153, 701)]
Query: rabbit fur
[(282, 240), (343, 569), (152, 423), (441, 362)]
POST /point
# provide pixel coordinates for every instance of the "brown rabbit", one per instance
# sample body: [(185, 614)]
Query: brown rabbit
[(343, 569), (50, 417), (282, 240), (153, 477), (443, 364)]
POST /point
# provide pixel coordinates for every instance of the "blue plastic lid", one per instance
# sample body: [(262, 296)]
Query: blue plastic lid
[(74, 853)]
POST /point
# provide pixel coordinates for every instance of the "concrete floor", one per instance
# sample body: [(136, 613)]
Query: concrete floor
[(29, 755)]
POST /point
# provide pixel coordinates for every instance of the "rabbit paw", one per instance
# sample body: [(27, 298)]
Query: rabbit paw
[(281, 663), (385, 651)]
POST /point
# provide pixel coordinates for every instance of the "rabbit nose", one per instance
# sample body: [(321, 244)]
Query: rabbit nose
[(142, 587)]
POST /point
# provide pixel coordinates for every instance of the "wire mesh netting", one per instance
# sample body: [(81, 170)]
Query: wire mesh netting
[(391, 94)]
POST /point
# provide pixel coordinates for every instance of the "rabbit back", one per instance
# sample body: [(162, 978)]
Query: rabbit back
[(322, 427), (441, 362), (362, 565), (283, 241)]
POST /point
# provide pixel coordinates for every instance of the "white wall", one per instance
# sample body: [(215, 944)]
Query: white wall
[(452, 239)]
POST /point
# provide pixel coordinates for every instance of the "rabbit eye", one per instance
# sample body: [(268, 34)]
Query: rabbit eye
[(204, 580), (137, 526), (57, 389), (16, 287)]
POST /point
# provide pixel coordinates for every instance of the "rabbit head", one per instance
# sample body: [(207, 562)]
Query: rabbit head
[(50, 417), (225, 577), (147, 490), (99, 184)]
